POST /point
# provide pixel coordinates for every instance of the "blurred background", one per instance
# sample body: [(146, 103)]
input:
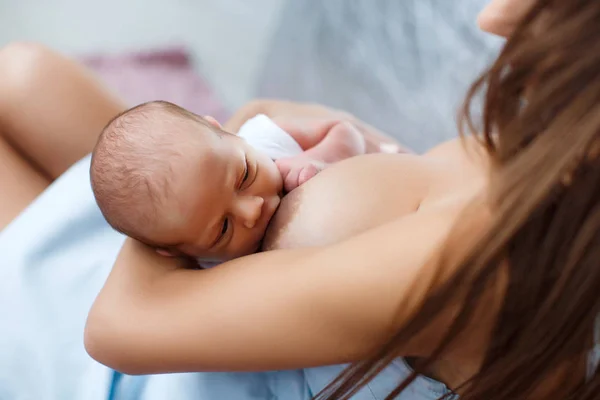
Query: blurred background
[(402, 65)]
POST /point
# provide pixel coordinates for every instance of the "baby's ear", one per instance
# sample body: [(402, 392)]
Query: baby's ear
[(164, 252), (213, 122)]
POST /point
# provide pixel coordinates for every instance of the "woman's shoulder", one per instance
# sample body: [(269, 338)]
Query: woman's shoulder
[(465, 153)]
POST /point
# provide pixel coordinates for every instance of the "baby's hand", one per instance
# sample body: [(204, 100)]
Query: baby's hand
[(297, 170)]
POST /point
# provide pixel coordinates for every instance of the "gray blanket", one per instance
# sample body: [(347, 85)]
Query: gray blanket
[(402, 65)]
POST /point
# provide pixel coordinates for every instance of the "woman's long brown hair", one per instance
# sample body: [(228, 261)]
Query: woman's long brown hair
[(541, 128)]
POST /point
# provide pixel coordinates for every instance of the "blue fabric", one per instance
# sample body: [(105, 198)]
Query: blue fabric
[(56, 256)]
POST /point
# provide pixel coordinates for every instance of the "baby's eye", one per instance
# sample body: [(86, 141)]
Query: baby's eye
[(246, 174), (221, 236), (225, 226)]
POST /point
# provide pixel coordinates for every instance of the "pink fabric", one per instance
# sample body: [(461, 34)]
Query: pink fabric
[(158, 75)]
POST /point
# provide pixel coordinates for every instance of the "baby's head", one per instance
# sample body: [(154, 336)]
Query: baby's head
[(178, 182)]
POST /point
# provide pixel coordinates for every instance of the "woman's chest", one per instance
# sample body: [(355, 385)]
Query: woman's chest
[(356, 195)]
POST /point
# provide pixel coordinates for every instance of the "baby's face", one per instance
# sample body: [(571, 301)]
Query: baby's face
[(225, 197)]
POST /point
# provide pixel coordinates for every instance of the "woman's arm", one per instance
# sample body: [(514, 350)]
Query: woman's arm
[(274, 310)]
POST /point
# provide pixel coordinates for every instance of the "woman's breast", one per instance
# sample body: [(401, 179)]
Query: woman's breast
[(349, 198), (363, 192)]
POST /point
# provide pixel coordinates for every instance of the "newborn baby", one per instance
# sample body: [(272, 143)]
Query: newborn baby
[(181, 184)]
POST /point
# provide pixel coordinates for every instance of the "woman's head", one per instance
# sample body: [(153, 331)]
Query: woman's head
[(541, 127)]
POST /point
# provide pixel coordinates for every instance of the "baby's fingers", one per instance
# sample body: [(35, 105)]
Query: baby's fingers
[(307, 173), (290, 182)]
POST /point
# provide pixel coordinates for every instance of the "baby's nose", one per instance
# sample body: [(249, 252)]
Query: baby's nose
[(250, 210)]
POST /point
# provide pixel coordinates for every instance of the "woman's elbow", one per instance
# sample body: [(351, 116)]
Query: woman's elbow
[(105, 344)]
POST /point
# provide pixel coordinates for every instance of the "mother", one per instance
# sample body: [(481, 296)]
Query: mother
[(491, 286), (506, 311)]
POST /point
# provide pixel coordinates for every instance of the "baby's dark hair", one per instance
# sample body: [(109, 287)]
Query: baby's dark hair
[(132, 164)]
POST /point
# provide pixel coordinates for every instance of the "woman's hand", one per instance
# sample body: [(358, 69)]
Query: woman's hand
[(287, 114)]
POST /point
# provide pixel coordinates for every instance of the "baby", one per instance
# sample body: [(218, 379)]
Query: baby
[(181, 184)]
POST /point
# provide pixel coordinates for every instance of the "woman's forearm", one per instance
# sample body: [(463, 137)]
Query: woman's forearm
[(274, 310), (243, 316)]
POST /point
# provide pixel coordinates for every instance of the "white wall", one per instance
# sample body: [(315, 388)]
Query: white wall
[(228, 38)]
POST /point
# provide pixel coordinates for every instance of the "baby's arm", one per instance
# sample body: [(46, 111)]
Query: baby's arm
[(324, 140)]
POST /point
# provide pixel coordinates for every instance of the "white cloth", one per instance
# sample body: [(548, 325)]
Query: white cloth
[(265, 136)]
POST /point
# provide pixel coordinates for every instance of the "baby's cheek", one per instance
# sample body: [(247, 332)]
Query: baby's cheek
[(246, 247), (277, 175), (283, 167)]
